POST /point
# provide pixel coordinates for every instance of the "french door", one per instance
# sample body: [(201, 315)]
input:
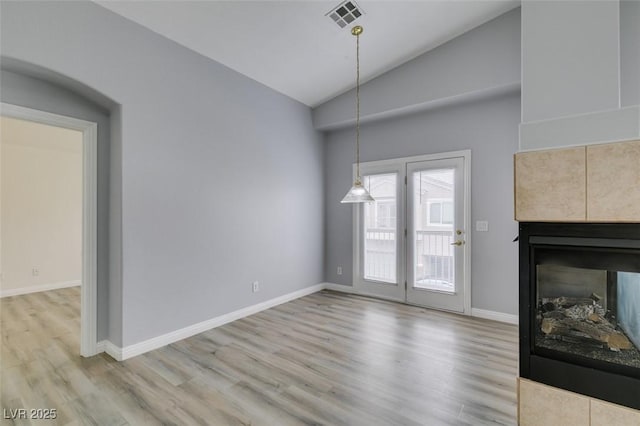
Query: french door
[(436, 233), (412, 243), (379, 250)]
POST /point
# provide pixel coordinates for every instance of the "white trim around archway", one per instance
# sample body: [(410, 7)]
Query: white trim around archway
[(88, 306)]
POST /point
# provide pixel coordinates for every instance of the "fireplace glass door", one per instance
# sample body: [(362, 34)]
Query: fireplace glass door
[(588, 306)]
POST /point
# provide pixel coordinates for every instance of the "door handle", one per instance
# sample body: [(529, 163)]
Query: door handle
[(458, 243)]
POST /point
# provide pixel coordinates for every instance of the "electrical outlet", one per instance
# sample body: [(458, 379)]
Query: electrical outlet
[(256, 286), (35, 272), (339, 270)]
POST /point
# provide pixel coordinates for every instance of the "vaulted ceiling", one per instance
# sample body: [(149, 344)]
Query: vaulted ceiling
[(296, 49)]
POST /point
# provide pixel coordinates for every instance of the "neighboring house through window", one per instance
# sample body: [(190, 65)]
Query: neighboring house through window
[(440, 212)]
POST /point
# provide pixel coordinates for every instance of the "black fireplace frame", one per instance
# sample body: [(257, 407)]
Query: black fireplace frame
[(539, 366)]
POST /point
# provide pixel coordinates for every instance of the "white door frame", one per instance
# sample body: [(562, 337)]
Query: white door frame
[(382, 164), (88, 305)]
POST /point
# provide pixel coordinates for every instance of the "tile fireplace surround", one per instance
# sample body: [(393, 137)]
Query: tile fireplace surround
[(579, 214)]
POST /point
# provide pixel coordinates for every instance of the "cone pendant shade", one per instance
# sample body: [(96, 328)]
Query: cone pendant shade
[(357, 194)]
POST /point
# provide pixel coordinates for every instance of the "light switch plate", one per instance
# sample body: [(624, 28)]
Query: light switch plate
[(482, 226)]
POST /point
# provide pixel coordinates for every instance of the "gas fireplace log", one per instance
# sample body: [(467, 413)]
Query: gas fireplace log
[(578, 308), (551, 326), (602, 332), (559, 327), (596, 331), (619, 341), (595, 318), (555, 329), (566, 301), (554, 315)]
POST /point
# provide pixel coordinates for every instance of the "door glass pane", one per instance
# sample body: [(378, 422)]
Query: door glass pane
[(380, 254), (447, 213), (433, 214)]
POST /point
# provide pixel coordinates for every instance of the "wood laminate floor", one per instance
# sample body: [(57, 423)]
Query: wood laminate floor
[(327, 358)]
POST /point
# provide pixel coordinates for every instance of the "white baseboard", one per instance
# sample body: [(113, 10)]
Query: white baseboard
[(127, 352), (496, 316), (110, 349), (38, 288), (475, 312), (120, 354), (352, 290), (340, 287)]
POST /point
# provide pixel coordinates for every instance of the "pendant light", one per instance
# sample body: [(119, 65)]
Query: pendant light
[(357, 193)]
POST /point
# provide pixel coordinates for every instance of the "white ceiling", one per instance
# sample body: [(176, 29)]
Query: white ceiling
[(292, 47)]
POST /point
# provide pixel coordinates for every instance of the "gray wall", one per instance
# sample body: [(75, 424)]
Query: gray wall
[(570, 62), (484, 59), (580, 65), (462, 95), (37, 94), (630, 52), (490, 129), (222, 178)]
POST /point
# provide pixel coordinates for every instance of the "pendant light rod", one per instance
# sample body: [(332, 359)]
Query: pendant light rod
[(356, 31)]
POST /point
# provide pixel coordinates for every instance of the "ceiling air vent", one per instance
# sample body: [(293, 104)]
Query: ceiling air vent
[(345, 13)]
